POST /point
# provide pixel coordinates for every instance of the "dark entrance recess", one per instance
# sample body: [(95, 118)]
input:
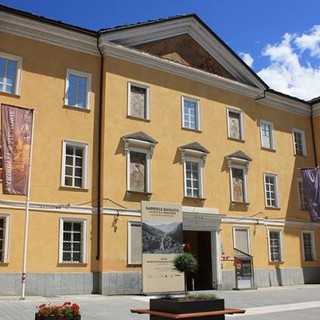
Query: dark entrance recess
[(199, 244)]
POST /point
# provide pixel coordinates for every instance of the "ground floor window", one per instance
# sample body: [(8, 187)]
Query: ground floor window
[(72, 241), (275, 246), (134, 242), (308, 246), (4, 221)]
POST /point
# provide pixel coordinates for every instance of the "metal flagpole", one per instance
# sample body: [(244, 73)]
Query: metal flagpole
[(26, 222)]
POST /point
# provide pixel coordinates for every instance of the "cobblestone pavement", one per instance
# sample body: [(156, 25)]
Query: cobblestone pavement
[(281, 303)]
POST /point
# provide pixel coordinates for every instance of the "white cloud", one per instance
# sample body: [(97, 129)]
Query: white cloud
[(246, 57), (287, 72)]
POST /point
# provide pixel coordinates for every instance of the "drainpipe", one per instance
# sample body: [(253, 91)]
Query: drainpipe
[(313, 138), (100, 160)]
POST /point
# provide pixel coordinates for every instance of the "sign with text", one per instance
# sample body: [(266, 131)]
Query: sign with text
[(162, 237)]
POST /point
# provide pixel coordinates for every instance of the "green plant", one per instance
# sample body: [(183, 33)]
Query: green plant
[(67, 310), (185, 263)]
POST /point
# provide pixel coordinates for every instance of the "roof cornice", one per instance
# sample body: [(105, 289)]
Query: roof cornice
[(147, 60), (47, 32)]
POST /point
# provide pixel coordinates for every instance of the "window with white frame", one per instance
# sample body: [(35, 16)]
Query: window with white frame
[(193, 158), (138, 100), (267, 134), (1, 159), (271, 190), (241, 238), (299, 142), (10, 73), (139, 150), (238, 164), (191, 113), (134, 243), (275, 245), (4, 230), (308, 246), (73, 240), (303, 203), (75, 161), (78, 89), (235, 124)]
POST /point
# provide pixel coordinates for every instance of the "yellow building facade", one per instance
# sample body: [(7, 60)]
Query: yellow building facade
[(161, 111)]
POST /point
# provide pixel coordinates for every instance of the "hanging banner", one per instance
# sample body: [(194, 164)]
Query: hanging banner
[(162, 240), (16, 139), (310, 178)]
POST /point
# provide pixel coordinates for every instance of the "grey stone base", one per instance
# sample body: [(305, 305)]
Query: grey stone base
[(275, 277), (113, 283), (49, 284)]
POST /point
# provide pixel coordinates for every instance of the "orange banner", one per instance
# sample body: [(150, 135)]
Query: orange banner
[(16, 148)]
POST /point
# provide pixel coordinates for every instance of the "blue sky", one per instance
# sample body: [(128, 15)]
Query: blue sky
[(279, 40)]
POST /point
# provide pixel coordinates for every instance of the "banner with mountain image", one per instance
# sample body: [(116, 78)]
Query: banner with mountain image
[(16, 139), (162, 241), (310, 178)]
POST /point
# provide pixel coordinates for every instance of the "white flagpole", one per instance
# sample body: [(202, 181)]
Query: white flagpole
[(26, 222)]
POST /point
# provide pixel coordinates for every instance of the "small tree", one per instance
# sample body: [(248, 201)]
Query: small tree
[(185, 263)]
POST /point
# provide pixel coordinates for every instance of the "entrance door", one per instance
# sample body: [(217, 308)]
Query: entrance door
[(199, 244)]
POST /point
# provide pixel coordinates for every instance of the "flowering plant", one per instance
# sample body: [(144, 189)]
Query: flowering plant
[(67, 310)]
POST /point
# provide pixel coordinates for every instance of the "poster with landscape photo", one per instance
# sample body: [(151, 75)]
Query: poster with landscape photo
[(162, 240)]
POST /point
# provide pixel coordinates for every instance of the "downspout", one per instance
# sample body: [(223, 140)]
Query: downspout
[(100, 160), (313, 138)]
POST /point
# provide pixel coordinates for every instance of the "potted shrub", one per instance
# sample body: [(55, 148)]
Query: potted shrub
[(66, 311), (190, 303)]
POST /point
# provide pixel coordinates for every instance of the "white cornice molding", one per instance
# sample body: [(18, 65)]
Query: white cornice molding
[(316, 110), (48, 33), (145, 59), (185, 25)]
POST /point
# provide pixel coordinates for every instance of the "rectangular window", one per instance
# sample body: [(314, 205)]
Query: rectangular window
[(78, 89), (4, 228), (235, 124), (74, 173), (1, 160), (299, 142), (271, 190), (238, 184), (134, 243), (191, 113), (241, 240), (138, 101), (267, 134), (10, 73), (73, 242), (275, 246), (308, 246), (303, 204), (192, 179), (138, 171)]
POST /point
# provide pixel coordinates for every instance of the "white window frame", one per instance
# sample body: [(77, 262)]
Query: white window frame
[(244, 169), (241, 122), (280, 245), (135, 224), (84, 147), (83, 244), (6, 217), (18, 60), (311, 233), (147, 102), (200, 166), (276, 185), (303, 142), (247, 230), (271, 137), (88, 77), (148, 154), (303, 203), (196, 110)]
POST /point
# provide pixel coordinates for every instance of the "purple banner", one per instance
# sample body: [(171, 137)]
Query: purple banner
[(16, 146), (310, 178)]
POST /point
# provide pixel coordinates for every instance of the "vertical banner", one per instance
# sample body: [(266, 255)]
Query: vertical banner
[(310, 178), (162, 237), (16, 148)]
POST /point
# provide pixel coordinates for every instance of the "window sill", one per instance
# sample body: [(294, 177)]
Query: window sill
[(192, 130), (268, 149), (235, 203), (67, 188), (72, 264), (138, 118), (273, 208), (76, 108), (237, 140), (195, 198), (139, 193), (15, 95)]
